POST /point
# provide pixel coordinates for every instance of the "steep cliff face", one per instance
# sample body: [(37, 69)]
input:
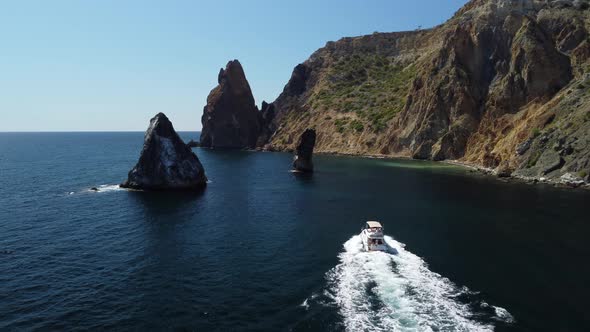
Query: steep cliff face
[(230, 118), (498, 74), (266, 117)]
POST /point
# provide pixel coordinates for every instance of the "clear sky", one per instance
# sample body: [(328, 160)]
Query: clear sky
[(113, 64)]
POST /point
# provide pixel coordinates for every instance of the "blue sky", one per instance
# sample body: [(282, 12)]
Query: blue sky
[(113, 64)]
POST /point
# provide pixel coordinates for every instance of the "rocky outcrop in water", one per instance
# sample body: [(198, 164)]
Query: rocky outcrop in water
[(503, 84), (193, 144), (304, 152), (166, 162), (230, 118)]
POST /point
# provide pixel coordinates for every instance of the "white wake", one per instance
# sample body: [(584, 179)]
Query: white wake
[(107, 188), (379, 291)]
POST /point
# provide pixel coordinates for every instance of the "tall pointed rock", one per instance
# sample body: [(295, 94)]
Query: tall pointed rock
[(166, 162), (304, 152), (230, 118)]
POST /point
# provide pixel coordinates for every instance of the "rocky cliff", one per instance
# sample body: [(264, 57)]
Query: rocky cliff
[(166, 162), (230, 118), (503, 84)]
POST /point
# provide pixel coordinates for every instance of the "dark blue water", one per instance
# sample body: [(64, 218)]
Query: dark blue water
[(265, 249)]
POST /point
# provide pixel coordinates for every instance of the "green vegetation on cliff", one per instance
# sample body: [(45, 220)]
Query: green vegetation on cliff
[(372, 86), (503, 84)]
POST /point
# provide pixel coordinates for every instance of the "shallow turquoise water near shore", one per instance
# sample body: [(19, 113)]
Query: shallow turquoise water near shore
[(265, 249)]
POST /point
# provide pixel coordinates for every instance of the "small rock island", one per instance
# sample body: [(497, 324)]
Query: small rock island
[(193, 144), (166, 162), (302, 162)]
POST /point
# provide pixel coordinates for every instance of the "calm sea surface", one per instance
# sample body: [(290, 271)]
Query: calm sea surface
[(266, 249)]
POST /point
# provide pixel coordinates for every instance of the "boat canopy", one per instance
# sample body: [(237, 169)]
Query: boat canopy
[(374, 224)]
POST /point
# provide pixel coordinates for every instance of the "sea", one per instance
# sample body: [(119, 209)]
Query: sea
[(266, 249)]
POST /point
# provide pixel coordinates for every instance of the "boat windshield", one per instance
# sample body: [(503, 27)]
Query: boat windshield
[(376, 241)]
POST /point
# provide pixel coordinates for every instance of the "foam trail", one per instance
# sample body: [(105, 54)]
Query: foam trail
[(379, 291), (305, 303), (108, 187)]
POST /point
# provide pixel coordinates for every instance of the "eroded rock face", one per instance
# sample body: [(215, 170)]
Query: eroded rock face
[(296, 85), (230, 118), (166, 162), (304, 151), (266, 116), (473, 89)]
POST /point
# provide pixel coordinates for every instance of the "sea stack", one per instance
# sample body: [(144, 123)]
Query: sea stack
[(302, 162), (166, 162), (230, 118)]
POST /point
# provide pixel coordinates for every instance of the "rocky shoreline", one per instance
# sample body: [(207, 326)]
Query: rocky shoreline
[(504, 85), (562, 182), (568, 180)]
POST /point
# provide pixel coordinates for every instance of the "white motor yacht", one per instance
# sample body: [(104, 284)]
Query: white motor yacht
[(372, 237)]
